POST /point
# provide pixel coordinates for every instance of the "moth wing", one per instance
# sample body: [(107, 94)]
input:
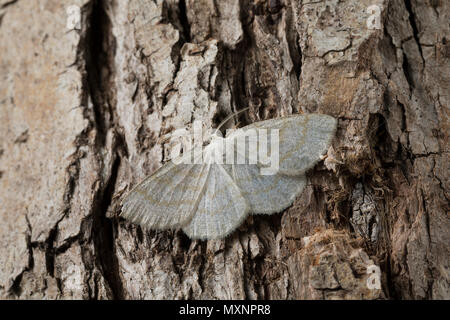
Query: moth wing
[(168, 198), (303, 139), (221, 208), (267, 194)]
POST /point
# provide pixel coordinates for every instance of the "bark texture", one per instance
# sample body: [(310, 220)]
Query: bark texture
[(81, 111)]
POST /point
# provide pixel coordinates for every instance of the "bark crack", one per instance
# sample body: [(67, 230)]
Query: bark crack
[(99, 58), (412, 21), (9, 3), (184, 21), (15, 288)]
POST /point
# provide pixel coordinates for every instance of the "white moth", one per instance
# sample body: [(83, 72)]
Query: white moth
[(209, 200)]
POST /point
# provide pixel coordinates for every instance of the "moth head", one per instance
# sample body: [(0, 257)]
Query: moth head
[(217, 134)]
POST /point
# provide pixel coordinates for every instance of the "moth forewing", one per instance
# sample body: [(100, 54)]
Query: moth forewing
[(168, 198)]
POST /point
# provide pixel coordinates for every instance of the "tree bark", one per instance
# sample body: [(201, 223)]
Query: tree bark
[(81, 111)]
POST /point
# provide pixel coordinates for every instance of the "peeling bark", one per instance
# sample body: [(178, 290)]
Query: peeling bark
[(81, 112)]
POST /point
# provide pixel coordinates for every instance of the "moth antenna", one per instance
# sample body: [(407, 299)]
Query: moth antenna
[(228, 118)]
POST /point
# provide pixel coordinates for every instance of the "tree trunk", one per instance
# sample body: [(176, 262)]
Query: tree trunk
[(82, 107)]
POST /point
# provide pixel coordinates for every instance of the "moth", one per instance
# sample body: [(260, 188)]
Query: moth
[(210, 198)]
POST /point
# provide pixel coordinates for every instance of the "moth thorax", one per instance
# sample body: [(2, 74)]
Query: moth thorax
[(214, 151)]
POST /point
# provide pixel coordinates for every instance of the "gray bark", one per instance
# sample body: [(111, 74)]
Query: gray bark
[(81, 112)]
